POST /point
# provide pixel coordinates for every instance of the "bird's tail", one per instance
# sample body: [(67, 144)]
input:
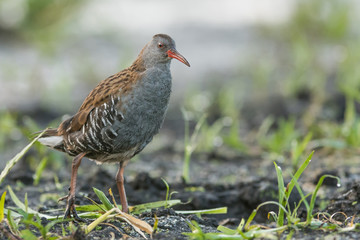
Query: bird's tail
[(52, 139)]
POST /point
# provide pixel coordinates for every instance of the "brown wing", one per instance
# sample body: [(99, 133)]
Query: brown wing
[(120, 83)]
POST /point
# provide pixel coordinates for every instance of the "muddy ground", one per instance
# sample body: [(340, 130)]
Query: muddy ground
[(240, 198), (221, 178)]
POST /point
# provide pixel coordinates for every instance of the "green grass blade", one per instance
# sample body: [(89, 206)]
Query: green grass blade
[(146, 207), (195, 134), (28, 235), (282, 198), (254, 212), (15, 199), (298, 173), (31, 222), (2, 206), (303, 197), (98, 206), (103, 199), (17, 157), (167, 190), (298, 149), (13, 226), (289, 236), (226, 230), (187, 148), (241, 225), (22, 206), (251, 217), (15, 212), (52, 223), (91, 208), (39, 170), (222, 210), (99, 220), (190, 142), (263, 232), (262, 204), (313, 197), (26, 203)]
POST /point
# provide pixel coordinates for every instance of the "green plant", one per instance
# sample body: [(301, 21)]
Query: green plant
[(225, 129), (279, 140), (27, 218), (168, 194), (209, 136), (284, 192), (44, 230), (49, 158), (9, 128), (15, 159), (297, 150), (349, 85), (23, 207), (190, 143), (2, 206), (230, 110), (285, 215)]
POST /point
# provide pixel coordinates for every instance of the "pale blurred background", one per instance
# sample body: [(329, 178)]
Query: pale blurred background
[(53, 53), (249, 60)]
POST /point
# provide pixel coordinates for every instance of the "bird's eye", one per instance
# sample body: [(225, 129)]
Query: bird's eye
[(160, 45)]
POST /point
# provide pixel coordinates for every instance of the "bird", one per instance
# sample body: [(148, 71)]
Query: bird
[(119, 117)]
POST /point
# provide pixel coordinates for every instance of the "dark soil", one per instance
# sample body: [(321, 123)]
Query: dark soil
[(241, 198), (222, 178)]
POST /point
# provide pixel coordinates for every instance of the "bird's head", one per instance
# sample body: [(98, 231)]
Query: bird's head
[(161, 49)]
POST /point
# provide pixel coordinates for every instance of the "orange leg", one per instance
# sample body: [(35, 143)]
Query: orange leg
[(70, 206), (121, 188)]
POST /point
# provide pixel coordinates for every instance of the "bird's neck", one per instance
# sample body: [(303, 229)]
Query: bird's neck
[(140, 65)]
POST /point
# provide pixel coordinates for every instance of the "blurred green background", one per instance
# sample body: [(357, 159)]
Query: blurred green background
[(275, 78)]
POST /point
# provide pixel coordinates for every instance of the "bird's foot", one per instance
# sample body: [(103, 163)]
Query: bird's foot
[(70, 211)]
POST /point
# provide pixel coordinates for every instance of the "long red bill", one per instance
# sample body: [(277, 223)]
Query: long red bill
[(175, 54)]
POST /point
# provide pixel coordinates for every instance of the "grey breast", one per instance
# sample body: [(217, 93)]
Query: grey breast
[(143, 110), (121, 128)]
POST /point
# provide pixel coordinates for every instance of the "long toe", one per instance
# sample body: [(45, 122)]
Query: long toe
[(76, 216), (70, 211)]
